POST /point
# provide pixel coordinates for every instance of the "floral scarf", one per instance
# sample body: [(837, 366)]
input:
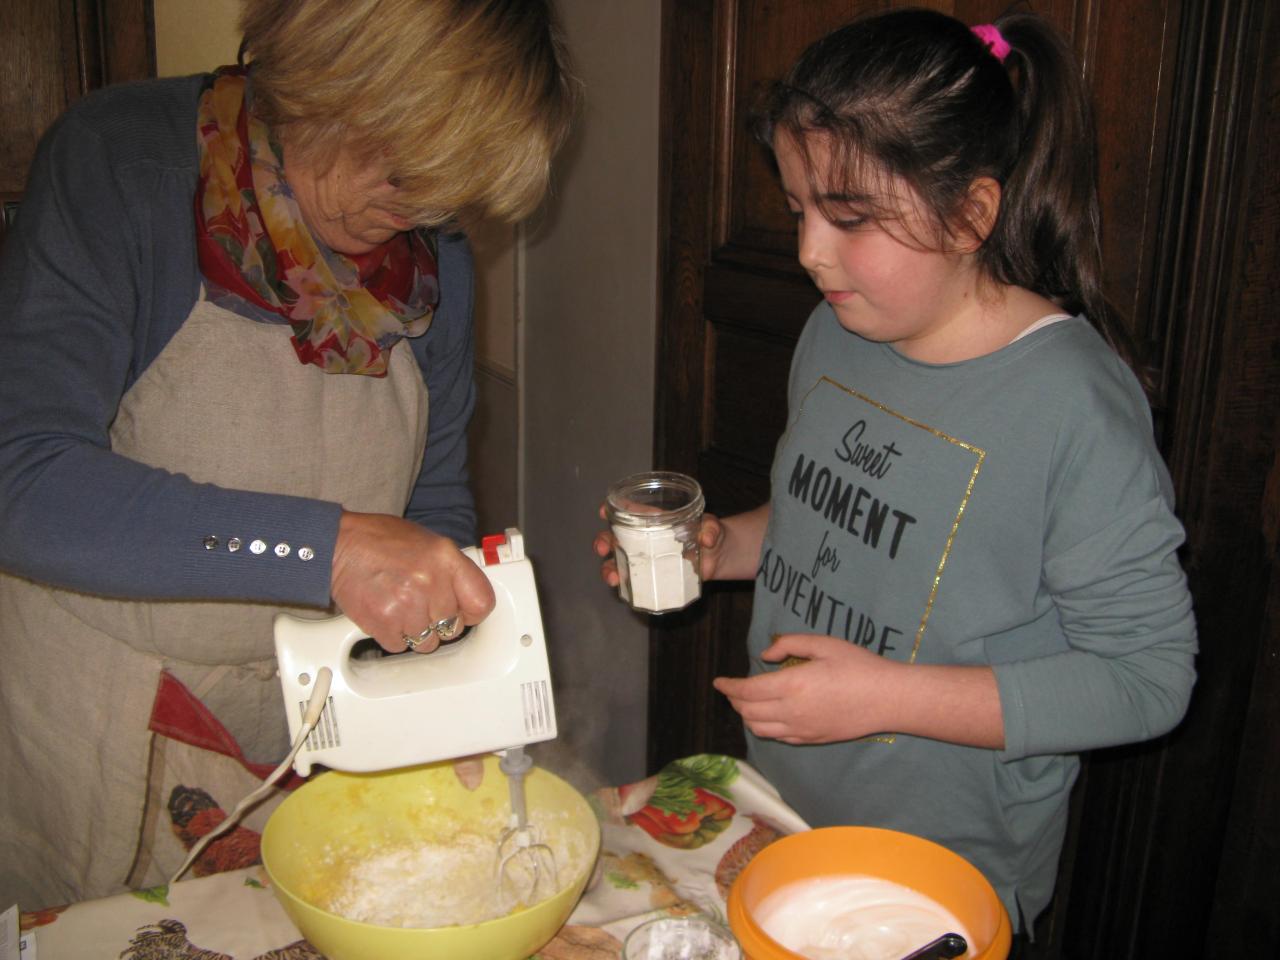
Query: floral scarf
[(259, 258)]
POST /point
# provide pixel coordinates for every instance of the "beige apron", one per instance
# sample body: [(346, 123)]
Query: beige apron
[(228, 403)]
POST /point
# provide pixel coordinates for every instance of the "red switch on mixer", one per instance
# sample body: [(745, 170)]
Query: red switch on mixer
[(504, 547), (489, 547)]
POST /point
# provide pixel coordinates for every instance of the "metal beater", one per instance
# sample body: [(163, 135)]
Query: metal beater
[(527, 871)]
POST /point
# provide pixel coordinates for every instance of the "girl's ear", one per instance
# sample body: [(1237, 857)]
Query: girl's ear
[(978, 217)]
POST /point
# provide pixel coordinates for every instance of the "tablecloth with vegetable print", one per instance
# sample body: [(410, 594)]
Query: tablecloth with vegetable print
[(670, 844)]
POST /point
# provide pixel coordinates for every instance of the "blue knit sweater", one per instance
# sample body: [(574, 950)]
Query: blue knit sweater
[(97, 275)]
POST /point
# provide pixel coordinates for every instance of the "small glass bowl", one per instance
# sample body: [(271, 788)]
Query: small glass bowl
[(680, 938)]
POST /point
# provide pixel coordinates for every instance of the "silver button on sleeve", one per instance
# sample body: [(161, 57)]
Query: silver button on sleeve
[(257, 546), (282, 549), (305, 553)]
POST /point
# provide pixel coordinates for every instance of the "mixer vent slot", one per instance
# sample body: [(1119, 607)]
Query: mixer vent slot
[(325, 735), (536, 697)]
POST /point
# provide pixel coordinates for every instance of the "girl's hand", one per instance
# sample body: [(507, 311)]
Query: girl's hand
[(839, 691), (833, 693), (394, 578), (730, 547), (604, 545), (711, 540), (710, 537)]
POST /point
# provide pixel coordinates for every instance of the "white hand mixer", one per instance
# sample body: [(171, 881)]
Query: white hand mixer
[(488, 692)]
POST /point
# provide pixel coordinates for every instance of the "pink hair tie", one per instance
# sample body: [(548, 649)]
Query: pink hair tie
[(989, 34)]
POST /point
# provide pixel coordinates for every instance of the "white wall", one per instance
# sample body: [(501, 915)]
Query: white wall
[(195, 35), (495, 428), (587, 376)]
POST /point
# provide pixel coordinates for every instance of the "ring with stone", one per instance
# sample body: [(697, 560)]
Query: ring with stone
[(412, 642), (447, 628)]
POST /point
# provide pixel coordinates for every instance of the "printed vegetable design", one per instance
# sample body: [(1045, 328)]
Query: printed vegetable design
[(630, 871), (739, 855), (580, 943), (193, 813), (687, 804), (30, 919)]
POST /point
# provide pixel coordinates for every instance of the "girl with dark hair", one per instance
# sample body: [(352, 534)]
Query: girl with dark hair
[(968, 562)]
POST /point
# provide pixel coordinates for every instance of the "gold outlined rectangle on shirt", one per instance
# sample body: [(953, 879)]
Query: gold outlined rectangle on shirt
[(980, 455)]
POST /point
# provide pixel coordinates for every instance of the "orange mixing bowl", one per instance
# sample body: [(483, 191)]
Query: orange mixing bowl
[(924, 866)]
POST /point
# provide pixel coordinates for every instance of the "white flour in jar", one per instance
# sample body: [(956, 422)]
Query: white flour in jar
[(854, 917), (654, 572)]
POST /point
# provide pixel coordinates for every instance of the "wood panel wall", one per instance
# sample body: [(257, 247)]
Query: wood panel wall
[(51, 52)]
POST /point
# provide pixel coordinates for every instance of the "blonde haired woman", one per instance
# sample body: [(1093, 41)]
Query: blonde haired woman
[(240, 316)]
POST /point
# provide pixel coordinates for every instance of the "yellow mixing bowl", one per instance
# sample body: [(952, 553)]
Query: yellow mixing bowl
[(340, 816)]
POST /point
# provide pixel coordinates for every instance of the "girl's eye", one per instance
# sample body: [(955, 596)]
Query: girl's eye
[(844, 215)]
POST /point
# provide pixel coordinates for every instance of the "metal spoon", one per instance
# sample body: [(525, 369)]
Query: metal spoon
[(945, 947)]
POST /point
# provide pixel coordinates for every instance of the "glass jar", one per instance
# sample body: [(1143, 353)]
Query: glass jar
[(655, 518), (680, 938)]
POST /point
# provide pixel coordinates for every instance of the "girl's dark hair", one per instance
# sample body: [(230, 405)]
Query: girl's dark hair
[(915, 95)]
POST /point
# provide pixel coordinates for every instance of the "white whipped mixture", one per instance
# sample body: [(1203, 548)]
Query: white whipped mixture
[(433, 884), (854, 917)]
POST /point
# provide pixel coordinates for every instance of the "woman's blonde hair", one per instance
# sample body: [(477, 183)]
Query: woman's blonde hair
[(466, 100)]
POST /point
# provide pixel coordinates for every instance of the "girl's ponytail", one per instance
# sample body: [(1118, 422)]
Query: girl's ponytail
[(1048, 236)]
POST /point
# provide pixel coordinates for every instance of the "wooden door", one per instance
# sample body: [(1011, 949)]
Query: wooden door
[(51, 52), (1173, 848)]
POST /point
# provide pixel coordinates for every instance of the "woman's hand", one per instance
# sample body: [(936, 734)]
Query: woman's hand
[(469, 771), (837, 690), (394, 578)]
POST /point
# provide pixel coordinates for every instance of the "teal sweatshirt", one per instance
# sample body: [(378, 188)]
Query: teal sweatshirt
[(1011, 511)]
